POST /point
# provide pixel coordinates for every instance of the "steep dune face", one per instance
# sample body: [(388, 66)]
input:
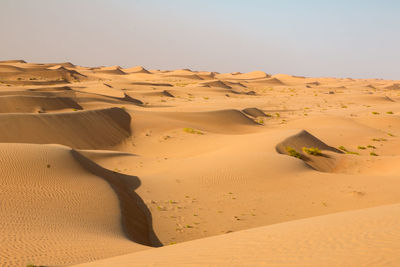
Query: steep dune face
[(136, 219), (55, 212), (94, 129)]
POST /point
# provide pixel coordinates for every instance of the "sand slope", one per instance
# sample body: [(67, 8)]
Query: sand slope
[(54, 211), (358, 238), (81, 129)]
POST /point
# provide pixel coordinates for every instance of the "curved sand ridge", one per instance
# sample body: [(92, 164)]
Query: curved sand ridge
[(58, 208), (93, 129)]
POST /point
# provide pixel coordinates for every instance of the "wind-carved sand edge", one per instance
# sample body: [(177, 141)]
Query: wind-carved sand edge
[(135, 216)]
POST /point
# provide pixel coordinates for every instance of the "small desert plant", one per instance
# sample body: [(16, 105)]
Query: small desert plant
[(371, 146), (192, 131), (379, 139), (375, 113), (390, 134), (347, 151), (389, 112), (260, 121), (373, 154), (361, 147), (312, 151), (293, 153)]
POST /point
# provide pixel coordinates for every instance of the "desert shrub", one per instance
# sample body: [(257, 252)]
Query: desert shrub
[(192, 131), (312, 151), (293, 153), (347, 151), (379, 139)]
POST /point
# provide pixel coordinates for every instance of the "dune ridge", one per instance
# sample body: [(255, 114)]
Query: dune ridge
[(81, 129)]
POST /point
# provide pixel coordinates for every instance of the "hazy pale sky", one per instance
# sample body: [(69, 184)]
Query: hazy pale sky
[(342, 38)]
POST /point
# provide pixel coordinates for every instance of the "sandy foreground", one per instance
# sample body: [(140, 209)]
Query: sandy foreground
[(112, 166)]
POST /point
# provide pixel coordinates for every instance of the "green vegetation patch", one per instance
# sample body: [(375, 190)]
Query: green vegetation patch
[(312, 151), (293, 153), (192, 131), (347, 151)]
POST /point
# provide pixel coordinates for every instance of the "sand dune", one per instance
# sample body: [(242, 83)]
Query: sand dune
[(232, 169), (186, 74), (137, 69), (8, 68), (111, 70), (57, 211), (221, 121), (353, 238), (27, 104), (303, 140), (12, 61), (243, 76), (270, 81), (254, 112), (216, 83), (81, 129), (394, 86)]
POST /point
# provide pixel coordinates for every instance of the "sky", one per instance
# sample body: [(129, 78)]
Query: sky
[(341, 38)]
